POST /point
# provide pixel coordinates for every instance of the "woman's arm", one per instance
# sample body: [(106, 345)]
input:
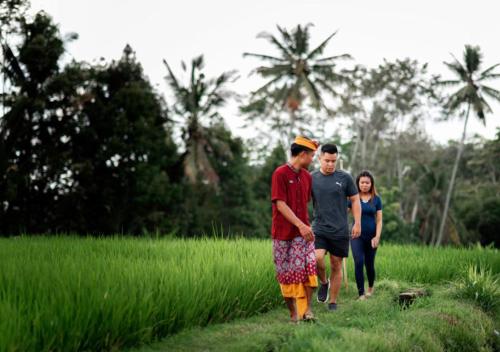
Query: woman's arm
[(378, 231)]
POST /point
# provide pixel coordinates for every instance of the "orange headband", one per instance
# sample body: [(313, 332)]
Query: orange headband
[(306, 142)]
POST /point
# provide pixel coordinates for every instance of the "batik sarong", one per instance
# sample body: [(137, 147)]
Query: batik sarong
[(295, 263)]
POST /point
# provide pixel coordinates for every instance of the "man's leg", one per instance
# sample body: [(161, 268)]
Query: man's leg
[(321, 271), (290, 303), (335, 277), (320, 265), (309, 293)]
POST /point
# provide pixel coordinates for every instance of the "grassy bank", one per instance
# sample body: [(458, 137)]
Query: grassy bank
[(440, 322)]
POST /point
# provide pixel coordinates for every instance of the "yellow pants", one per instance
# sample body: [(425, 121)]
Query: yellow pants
[(298, 291)]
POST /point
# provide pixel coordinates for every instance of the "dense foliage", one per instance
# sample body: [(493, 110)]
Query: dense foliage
[(94, 148)]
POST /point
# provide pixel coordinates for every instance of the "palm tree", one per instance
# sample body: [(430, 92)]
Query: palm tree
[(296, 74), (430, 184), (197, 103), (471, 94)]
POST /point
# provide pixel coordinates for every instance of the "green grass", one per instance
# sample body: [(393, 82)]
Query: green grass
[(480, 286), (436, 323), (65, 294), (69, 293)]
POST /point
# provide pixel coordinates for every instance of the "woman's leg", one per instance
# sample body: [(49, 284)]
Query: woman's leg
[(370, 253), (359, 257)]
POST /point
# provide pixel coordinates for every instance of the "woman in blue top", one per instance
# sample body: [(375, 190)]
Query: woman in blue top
[(364, 247)]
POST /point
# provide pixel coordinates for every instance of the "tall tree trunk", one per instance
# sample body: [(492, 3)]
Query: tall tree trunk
[(414, 212), (355, 149), (434, 232), (492, 174), (364, 141), (399, 169), (425, 229), (293, 119), (452, 181), (374, 152), (3, 42)]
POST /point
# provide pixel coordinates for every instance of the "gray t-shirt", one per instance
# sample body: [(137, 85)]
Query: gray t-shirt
[(329, 193)]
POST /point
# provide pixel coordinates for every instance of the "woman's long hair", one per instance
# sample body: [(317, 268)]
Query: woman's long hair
[(373, 189)]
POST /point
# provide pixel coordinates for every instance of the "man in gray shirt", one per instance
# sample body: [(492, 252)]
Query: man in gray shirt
[(331, 189)]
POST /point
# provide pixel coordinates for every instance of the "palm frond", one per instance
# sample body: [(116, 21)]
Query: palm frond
[(457, 99), (326, 86), (195, 65), (327, 72), (320, 48), (480, 106), (486, 72), (323, 66), (274, 70), (301, 40), (472, 58), (280, 96), (172, 79), (486, 108), (285, 35), (217, 95), (13, 68), (265, 87), (272, 39), (288, 41), (491, 92), (256, 107), (489, 77), (313, 93), (264, 57), (451, 82), (335, 57), (457, 68)]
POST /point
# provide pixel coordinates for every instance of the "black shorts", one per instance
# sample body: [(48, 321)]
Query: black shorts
[(337, 246)]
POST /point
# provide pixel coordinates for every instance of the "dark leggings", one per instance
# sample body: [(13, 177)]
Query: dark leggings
[(364, 255)]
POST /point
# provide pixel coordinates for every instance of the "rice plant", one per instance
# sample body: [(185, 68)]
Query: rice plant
[(480, 285), (76, 294)]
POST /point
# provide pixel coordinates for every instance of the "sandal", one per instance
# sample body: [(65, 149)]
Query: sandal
[(309, 317)]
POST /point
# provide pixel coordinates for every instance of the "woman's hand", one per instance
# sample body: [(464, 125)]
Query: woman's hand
[(375, 242)]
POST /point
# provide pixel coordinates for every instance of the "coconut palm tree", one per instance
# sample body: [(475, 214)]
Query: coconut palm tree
[(197, 103), (430, 186), (295, 75), (471, 94)]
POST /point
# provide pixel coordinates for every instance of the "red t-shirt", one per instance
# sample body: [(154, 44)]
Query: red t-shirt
[(294, 188)]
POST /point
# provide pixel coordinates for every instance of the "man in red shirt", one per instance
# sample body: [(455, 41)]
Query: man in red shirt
[(293, 239)]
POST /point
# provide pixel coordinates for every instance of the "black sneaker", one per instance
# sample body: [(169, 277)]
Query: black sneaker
[(323, 292), (332, 306)]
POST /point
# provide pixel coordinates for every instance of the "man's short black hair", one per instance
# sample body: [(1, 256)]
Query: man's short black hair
[(296, 149), (329, 148)]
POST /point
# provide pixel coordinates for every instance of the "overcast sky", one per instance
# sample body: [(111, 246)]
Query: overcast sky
[(223, 29)]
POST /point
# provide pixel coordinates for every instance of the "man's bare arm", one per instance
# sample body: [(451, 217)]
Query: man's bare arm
[(285, 210), (356, 212)]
